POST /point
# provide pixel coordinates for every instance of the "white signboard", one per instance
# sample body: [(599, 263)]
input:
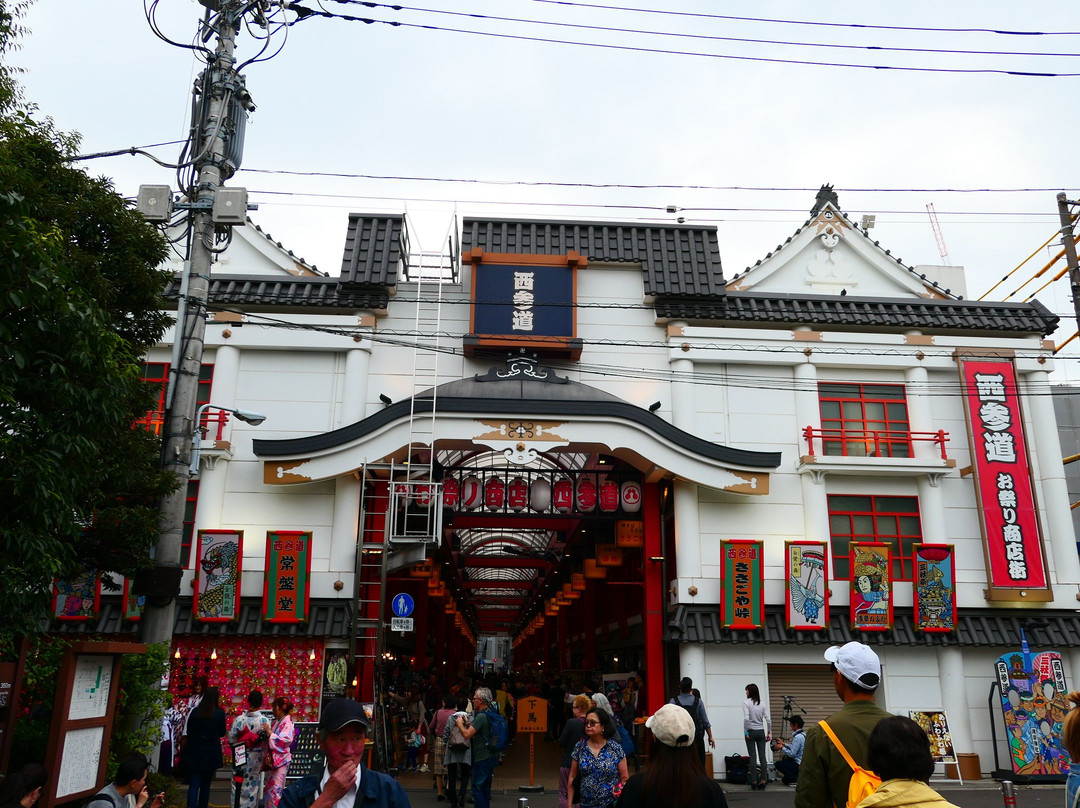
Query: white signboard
[(401, 624), (79, 761), (90, 690)]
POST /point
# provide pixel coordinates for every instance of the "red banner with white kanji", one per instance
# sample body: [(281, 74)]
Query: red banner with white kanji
[(1003, 484), (742, 599), (287, 584)]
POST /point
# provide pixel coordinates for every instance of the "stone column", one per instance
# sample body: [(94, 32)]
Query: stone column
[(954, 695)]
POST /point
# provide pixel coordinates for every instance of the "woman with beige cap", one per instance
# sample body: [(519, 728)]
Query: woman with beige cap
[(674, 775)]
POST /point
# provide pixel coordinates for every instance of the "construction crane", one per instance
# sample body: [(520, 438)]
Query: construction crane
[(943, 251)]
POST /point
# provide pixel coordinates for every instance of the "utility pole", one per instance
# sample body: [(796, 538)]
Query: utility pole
[(1068, 242), (214, 144)]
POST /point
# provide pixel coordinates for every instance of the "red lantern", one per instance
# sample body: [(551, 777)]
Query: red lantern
[(609, 496), (586, 494), (562, 495), (517, 494), (540, 495), (423, 494), (631, 496), (494, 494), (472, 493), (451, 492)]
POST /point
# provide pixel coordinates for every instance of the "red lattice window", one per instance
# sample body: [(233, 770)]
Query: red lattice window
[(157, 373), (864, 420), (189, 522), (893, 520)]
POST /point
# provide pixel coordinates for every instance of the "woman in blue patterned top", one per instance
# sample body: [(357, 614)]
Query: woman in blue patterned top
[(600, 762)]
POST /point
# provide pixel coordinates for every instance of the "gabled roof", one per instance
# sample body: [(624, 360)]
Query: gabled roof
[(374, 250), (277, 291)]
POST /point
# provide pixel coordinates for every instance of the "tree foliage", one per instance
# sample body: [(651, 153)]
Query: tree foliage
[(79, 306)]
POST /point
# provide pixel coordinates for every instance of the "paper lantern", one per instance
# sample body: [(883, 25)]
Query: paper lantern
[(451, 492), (630, 496), (562, 495), (517, 494), (609, 496), (586, 495), (494, 494), (471, 492), (540, 495), (423, 495)]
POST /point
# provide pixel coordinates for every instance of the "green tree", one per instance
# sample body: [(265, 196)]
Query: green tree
[(80, 303)]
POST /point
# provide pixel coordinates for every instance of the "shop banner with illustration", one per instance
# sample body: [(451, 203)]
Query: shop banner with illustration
[(935, 588), (742, 600), (287, 584), (133, 604), (807, 576), (77, 598), (1033, 702), (217, 575), (1016, 566), (871, 587), (936, 726), (335, 674)]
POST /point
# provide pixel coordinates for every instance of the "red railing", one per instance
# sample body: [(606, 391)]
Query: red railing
[(213, 423), (870, 442)]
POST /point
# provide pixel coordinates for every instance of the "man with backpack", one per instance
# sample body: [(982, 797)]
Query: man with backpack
[(128, 788), (691, 702), (484, 757), (825, 775)]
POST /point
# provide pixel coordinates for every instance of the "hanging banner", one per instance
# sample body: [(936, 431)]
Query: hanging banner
[(742, 598), (807, 579), (935, 588), (608, 555), (871, 587), (77, 598), (629, 534), (936, 727), (133, 605), (1015, 563), (287, 584), (1033, 702), (217, 575)]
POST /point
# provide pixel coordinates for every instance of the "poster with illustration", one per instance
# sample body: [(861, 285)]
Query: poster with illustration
[(1034, 706), (335, 674), (807, 579), (133, 604), (935, 588), (218, 562), (936, 726), (871, 587), (77, 598)]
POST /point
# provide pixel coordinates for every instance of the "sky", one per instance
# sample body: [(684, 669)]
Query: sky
[(533, 127)]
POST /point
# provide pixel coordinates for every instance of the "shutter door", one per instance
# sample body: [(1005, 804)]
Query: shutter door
[(811, 688)]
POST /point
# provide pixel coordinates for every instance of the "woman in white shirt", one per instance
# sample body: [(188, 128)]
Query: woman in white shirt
[(756, 729)]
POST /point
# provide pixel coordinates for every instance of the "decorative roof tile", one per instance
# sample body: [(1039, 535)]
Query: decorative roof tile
[(374, 250), (287, 292)]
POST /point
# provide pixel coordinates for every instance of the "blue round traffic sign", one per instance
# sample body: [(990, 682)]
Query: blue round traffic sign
[(402, 605)]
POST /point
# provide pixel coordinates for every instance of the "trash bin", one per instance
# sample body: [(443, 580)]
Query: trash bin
[(968, 764)]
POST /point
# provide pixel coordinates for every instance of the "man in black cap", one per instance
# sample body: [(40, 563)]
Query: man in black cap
[(344, 782)]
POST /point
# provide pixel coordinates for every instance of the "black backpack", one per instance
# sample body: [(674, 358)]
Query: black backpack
[(695, 713)]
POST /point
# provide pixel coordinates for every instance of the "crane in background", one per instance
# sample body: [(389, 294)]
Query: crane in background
[(943, 251)]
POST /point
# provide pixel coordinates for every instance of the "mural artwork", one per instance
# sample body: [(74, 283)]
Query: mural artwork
[(1033, 702), (871, 587), (935, 588), (807, 586)]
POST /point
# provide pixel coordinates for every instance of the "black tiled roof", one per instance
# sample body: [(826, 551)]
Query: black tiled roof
[(329, 619), (740, 308), (701, 624), (373, 250), (676, 259), (287, 292)]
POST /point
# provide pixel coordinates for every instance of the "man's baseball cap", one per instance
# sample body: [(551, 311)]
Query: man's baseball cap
[(857, 663), (342, 712)]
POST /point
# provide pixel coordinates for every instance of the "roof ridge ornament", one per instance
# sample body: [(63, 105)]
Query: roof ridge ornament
[(523, 367), (825, 194)]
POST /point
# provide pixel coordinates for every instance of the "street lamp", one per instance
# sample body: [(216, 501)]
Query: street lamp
[(247, 416)]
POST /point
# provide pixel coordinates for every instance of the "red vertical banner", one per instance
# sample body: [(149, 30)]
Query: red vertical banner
[(287, 583), (77, 598), (132, 604), (217, 576), (1015, 563), (807, 584), (742, 602), (871, 586)]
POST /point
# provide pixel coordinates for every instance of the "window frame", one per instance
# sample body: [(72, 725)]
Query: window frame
[(866, 435), (901, 543)]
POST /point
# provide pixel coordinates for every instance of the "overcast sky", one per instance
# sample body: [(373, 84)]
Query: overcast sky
[(347, 97)]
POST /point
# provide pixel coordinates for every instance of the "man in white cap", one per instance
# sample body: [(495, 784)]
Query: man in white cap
[(824, 774)]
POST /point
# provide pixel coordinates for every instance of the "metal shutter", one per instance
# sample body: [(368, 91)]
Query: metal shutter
[(811, 687)]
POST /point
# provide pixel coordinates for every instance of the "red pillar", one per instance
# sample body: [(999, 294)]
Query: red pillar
[(655, 687)]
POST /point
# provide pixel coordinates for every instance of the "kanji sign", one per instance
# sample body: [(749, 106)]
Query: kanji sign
[(532, 715), (287, 585), (742, 586)]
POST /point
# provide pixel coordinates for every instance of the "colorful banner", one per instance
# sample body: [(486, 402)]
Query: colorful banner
[(132, 604), (936, 727), (1005, 492), (217, 575), (287, 583), (742, 601), (77, 598), (935, 588), (1033, 702), (871, 587), (807, 578)]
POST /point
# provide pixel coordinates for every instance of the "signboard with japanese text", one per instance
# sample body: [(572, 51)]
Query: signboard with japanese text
[(807, 579), (217, 575), (629, 533), (936, 726), (871, 587), (77, 598), (935, 588), (742, 588), (524, 301), (287, 585), (133, 604), (532, 714), (1034, 706), (1012, 542)]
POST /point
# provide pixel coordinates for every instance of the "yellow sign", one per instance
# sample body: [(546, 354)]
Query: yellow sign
[(532, 715)]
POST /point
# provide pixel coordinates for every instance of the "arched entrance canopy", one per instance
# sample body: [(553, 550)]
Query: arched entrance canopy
[(521, 411)]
